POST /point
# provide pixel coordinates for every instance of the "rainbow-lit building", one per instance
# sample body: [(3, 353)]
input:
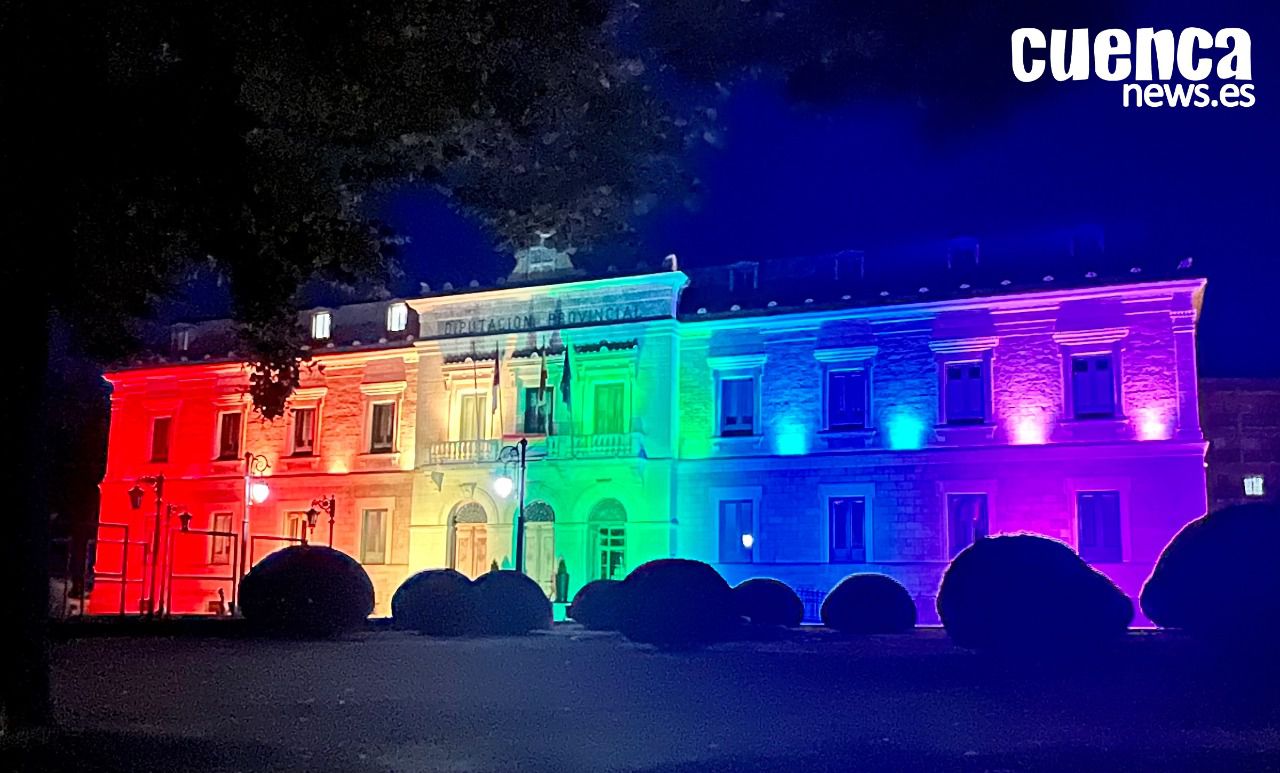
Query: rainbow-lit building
[(791, 419)]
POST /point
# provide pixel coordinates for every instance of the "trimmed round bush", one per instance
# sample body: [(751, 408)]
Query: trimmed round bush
[(436, 602), (1218, 578), (675, 603), (307, 590), (1032, 593), (765, 601), (597, 605), (869, 603), (510, 604)]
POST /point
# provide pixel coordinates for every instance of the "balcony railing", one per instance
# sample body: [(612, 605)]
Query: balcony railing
[(463, 451), (622, 445)]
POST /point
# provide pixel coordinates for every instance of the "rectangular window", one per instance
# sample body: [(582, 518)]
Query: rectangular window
[(610, 409), (736, 531), (382, 432), (1098, 516), (471, 408), (1093, 386), (220, 543), (229, 435), (849, 266), (1255, 486), (846, 399), (966, 521), (373, 537), (538, 409), (397, 317), (160, 427), (321, 322), (181, 339), (848, 529), (295, 525), (611, 552), (737, 406), (744, 277), (304, 431), (965, 393)]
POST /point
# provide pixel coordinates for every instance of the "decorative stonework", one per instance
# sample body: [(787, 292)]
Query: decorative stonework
[(1107, 335), (958, 345)]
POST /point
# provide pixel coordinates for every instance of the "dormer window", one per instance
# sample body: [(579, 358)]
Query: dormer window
[(744, 277), (397, 317), (850, 266), (321, 324), (180, 338)]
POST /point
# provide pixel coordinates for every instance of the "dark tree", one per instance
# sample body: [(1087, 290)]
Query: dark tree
[(149, 143)]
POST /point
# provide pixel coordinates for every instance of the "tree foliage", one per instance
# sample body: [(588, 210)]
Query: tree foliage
[(242, 140)]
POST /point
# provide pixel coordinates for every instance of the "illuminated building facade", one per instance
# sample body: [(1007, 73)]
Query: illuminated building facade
[(1242, 425), (785, 419)]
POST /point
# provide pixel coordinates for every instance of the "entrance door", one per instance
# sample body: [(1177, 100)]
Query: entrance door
[(471, 549), (539, 554)]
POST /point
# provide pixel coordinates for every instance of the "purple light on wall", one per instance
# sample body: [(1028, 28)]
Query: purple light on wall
[(1029, 431), (1152, 424)]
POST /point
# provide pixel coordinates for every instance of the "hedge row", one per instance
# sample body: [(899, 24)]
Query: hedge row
[(442, 602), (675, 603), (1217, 579)]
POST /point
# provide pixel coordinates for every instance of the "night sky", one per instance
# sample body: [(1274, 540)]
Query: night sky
[(891, 178)]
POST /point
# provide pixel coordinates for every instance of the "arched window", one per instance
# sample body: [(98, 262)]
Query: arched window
[(470, 512), (608, 511), (609, 539), (539, 512)]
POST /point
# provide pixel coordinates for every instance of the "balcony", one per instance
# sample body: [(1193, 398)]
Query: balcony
[(463, 451), (621, 445), (615, 446)]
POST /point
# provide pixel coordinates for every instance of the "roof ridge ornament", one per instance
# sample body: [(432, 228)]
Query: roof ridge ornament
[(540, 260)]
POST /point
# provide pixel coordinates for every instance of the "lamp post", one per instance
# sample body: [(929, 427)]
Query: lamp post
[(255, 493), (516, 454), (156, 482), (322, 505)]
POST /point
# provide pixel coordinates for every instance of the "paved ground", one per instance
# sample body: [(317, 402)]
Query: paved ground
[(579, 702)]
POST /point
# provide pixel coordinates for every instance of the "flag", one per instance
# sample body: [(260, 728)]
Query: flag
[(542, 376), (566, 379), (544, 402), (497, 379)]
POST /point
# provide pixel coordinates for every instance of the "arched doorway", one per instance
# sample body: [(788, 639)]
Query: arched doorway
[(470, 526), (608, 531), (540, 544)]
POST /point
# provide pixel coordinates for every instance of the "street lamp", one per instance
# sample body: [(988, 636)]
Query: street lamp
[(156, 482), (516, 454), (502, 485), (255, 493), (328, 506)]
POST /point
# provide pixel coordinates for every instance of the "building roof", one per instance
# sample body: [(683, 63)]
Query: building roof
[(848, 279)]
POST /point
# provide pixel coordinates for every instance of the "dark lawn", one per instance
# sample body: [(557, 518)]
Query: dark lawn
[(583, 702)]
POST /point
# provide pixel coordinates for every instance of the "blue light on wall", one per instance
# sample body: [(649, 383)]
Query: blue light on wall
[(791, 440), (906, 432)]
